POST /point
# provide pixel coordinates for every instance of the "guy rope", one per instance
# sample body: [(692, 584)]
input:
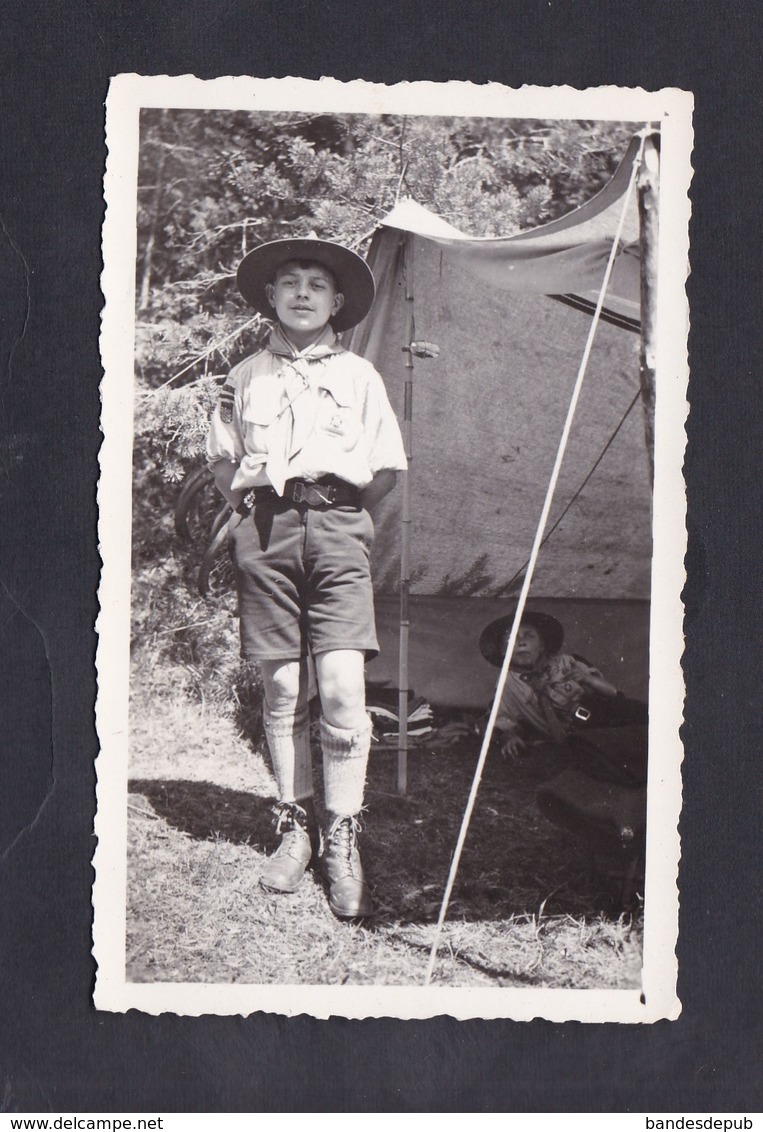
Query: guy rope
[(531, 569)]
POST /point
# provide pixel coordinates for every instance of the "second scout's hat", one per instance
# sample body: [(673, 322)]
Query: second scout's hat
[(492, 639), (352, 273)]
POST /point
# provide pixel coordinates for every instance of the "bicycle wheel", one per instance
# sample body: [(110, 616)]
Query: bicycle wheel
[(216, 570), (197, 505)]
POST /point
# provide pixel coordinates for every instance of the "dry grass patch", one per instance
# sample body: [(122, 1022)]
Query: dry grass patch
[(197, 914), (176, 740), (526, 910)]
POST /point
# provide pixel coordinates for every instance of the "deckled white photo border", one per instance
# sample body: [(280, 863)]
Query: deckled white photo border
[(672, 111)]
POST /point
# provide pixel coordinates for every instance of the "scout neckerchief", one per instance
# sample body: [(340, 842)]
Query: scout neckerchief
[(538, 681), (296, 416)]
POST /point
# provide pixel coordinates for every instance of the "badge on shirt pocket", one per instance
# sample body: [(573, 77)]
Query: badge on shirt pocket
[(336, 421), (340, 423)]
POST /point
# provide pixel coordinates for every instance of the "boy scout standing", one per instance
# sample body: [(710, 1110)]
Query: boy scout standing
[(303, 443)]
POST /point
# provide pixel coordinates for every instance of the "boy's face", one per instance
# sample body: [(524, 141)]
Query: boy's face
[(305, 296), (529, 649)]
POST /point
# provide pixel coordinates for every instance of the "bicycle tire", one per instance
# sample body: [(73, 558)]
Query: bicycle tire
[(216, 570), (220, 519), (189, 500)]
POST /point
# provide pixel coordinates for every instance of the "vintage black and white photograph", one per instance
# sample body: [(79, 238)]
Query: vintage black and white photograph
[(392, 528)]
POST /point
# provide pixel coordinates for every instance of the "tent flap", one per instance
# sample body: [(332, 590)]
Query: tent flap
[(489, 411), (488, 414)]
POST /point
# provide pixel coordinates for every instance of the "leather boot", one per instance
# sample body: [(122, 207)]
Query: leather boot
[(283, 871), (349, 897)]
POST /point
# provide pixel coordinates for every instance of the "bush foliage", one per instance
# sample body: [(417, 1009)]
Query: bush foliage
[(214, 184)]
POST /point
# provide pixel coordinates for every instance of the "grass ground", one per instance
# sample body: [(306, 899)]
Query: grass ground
[(525, 911)]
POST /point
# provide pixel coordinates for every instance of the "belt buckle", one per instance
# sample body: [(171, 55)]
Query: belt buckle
[(582, 713), (313, 494)]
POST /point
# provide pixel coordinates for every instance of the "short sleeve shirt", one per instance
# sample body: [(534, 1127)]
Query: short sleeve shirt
[(320, 415)]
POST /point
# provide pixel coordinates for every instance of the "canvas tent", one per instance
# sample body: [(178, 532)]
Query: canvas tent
[(510, 317)]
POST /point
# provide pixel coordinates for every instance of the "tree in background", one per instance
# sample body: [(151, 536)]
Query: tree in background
[(214, 184)]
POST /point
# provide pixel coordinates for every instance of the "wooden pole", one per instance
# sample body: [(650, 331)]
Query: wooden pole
[(648, 201), (405, 536)]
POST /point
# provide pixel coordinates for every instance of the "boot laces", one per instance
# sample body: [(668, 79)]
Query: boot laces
[(291, 827), (343, 839), (290, 816)]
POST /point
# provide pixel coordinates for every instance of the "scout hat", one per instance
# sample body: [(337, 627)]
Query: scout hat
[(352, 273), (492, 637)]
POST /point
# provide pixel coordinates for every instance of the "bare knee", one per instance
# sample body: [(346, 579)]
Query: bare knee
[(341, 681), (284, 683)]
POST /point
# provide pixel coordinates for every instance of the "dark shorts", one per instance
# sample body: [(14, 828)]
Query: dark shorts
[(304, 580)]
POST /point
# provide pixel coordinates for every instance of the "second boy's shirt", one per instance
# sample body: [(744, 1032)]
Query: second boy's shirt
[(284, 415), (561, 682)]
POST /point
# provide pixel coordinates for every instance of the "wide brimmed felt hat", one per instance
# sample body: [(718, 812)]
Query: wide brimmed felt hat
[(352, 273), (493, 635)]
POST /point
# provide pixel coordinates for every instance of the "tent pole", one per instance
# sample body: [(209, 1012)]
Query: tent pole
[(405, 536), (648, 198)]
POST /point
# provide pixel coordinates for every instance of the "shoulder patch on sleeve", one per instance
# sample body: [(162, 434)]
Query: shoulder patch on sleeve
[(225, 403)]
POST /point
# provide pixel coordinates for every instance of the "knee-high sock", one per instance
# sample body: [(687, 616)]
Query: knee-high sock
[(345, 759), (288, 735)]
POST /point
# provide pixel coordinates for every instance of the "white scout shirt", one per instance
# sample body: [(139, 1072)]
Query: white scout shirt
[(284, 414)]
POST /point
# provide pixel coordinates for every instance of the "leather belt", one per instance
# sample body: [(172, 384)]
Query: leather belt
[(326, 492)]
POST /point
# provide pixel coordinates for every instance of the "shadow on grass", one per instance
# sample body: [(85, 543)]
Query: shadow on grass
[(205, 811), (514, 862), (504, 976)]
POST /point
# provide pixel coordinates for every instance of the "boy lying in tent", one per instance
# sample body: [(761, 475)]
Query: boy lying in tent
[(302, 443), (555, 698), (584, 735)]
